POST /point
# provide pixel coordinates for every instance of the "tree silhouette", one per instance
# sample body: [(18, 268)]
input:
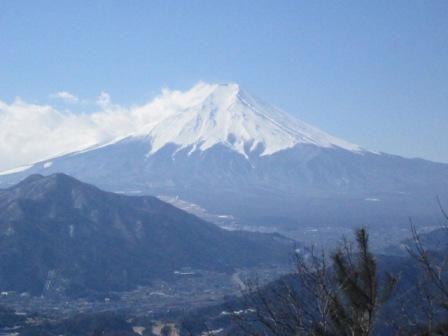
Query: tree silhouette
[(337, 299), (358, 296)]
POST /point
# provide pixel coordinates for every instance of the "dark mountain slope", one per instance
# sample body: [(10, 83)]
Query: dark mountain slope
[(58, 232), (294, 191)]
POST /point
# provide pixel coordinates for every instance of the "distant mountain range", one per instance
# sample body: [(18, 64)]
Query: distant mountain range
[(58, 234), (219, 147)]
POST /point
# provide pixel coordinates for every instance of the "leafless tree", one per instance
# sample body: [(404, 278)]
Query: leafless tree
[(335, 295), (432, 286)]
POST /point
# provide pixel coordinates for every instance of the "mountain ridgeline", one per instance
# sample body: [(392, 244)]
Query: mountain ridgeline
[(221, 148), (58, 232)]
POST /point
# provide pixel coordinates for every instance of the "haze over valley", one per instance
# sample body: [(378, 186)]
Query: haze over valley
[(237, 168)]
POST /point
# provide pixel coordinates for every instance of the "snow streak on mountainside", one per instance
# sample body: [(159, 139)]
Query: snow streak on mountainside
[(210, 114), (196, 120), (219, 148)]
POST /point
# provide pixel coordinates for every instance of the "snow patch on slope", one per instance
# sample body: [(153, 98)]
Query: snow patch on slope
[(210, 114), (196, 120)]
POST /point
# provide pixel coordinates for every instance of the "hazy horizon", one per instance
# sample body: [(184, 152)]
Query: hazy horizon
[(373, 74)]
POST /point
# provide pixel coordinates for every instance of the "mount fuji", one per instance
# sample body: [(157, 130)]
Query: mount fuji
[(244, 163)]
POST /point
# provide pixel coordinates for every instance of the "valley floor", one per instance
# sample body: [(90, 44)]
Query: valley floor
[(190, 289)]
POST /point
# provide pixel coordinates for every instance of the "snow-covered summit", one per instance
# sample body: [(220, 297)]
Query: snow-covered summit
[(210, 114)]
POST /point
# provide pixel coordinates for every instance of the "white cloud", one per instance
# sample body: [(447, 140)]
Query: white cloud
[(104, 100), (31, 132), (66, 97)]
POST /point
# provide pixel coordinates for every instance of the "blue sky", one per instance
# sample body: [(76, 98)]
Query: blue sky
[(372, 72)]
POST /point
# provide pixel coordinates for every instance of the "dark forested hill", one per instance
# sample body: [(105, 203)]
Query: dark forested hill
[(61, 233)]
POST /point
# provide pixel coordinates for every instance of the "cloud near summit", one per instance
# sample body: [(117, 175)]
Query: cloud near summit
[(33, 132)]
